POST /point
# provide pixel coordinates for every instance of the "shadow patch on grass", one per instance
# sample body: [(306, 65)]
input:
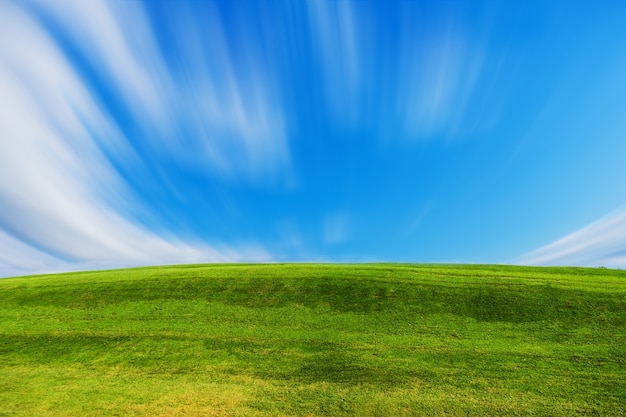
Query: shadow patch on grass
[(488, 300)]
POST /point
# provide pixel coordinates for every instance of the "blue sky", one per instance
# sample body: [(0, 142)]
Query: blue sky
[(161, 132)]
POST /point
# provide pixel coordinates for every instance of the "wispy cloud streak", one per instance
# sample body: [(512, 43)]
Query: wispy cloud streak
[(231, 114), (193, 106), (601, 243), (64, 203), (338, 37), (20, 258), (439, 71)]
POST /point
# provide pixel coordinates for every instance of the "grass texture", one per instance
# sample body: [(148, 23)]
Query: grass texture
[(315, 340)]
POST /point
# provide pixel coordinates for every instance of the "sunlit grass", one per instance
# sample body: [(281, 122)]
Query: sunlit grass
[(309, 340)]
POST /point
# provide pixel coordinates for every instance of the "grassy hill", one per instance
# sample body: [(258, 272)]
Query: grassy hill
[(315, 340)]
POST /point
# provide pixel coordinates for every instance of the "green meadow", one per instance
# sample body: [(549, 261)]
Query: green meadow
[(315, 340)]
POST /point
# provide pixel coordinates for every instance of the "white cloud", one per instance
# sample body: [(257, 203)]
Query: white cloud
[(119, 44), (337, 36), (60, 196), (601, 243), (232, 112), (205, 115), (19, 258), (439, 70)]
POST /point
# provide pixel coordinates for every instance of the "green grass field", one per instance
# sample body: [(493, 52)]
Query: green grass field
[(315, 340)]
